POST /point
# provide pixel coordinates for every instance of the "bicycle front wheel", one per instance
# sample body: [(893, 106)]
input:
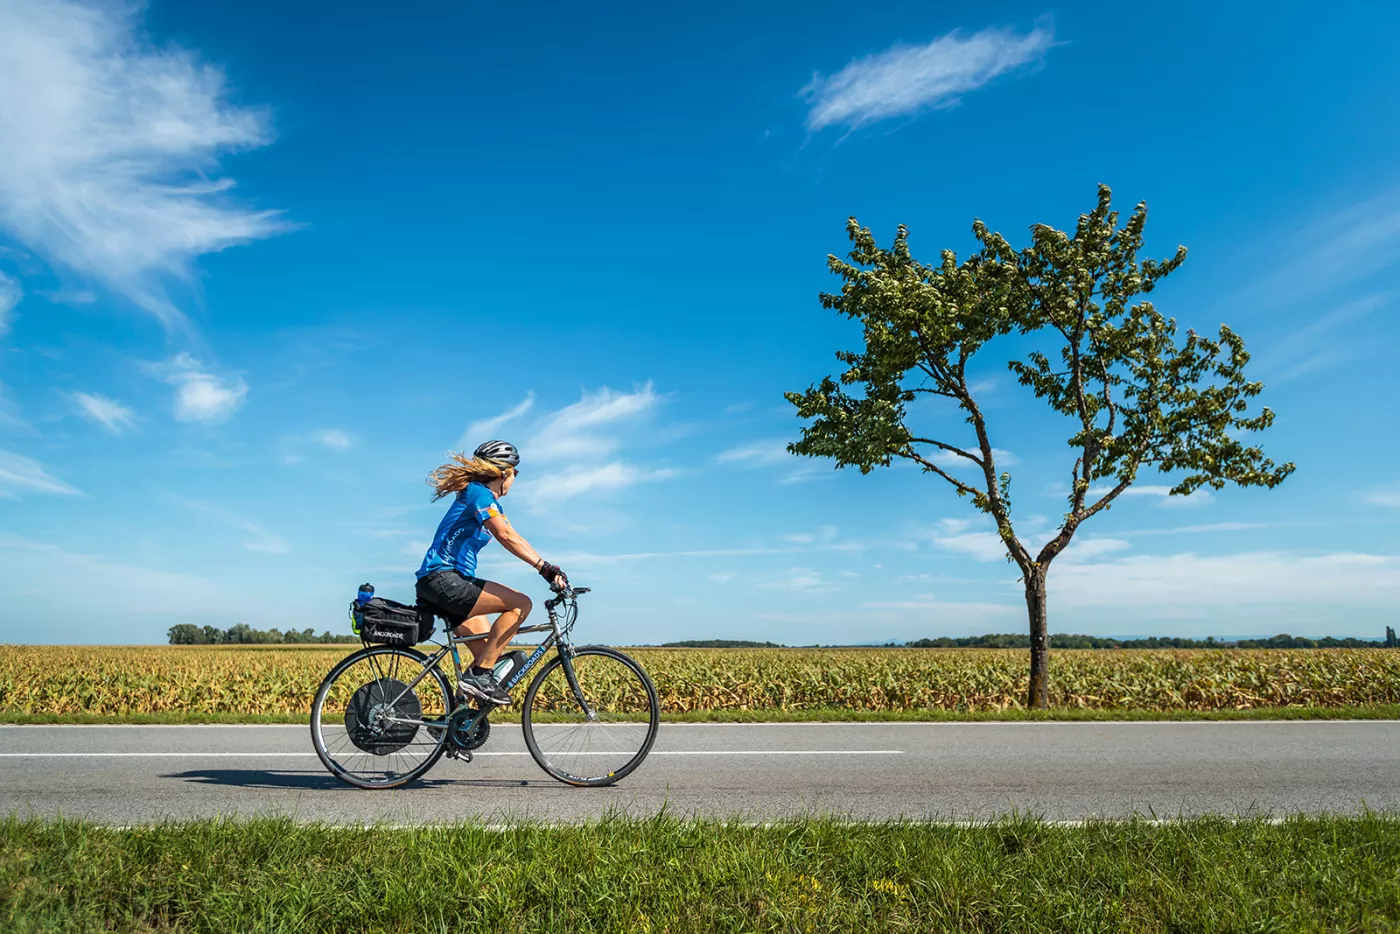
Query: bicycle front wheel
[(590, 718)]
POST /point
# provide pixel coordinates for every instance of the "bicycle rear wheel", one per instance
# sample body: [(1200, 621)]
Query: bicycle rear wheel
[(591, 718), (366, 726)]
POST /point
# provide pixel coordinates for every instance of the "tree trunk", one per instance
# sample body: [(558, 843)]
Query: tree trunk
[(1038, 695)]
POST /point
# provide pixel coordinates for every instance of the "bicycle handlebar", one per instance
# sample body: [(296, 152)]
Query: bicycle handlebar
[(565, 593)]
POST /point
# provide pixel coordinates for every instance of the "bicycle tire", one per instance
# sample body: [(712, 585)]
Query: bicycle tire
[(652, 719), (318, 706)]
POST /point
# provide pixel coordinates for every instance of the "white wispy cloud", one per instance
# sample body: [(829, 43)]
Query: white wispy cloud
[(1160, 492), (1198, 529), (797, 580), (1002, 458), (574, 481), (485, 429), (20, 474), (10, 416), (1383, 495), (69, 296), (1342, 246), (906, 79), (808, 474), (200, 395), (588, 435), (1325, 341), (109, 413), (592, 558), (109, 149), (757, 454), (1191, 584), (1084, 549), (334, 438), (37, 577), (961, 536), (956, 616), (579, 430), (825, 539), (262, 540), (979, 546), (10, 294)]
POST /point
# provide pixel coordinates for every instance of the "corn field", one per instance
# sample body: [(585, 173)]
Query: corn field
[(231, 680)]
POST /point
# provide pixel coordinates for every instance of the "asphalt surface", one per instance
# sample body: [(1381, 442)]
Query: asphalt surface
[(871, 771)]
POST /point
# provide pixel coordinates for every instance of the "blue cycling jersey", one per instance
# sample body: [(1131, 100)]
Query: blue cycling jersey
[(462, 532)]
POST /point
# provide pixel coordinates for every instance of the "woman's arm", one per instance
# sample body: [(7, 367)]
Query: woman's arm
[(512, 541)]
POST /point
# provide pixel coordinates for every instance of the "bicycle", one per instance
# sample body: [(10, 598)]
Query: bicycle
[(590, 715)]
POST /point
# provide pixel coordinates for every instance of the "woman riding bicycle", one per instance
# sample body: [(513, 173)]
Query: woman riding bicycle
[(447, 580)]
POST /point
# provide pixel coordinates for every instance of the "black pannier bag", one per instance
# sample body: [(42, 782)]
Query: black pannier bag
[(388, 622)]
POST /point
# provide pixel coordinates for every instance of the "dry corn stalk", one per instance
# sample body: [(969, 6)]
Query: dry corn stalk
[(226, 679)]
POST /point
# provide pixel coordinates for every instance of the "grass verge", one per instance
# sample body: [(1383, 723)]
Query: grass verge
[(819, 715), (665, 874)]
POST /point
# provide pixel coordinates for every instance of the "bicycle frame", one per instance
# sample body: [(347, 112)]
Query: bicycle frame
[(558, 635)]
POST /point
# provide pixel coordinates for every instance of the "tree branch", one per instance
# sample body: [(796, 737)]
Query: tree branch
[(1077, 369), (996, 505), (1107, 390), (948, 447), (1123, 484), (934, 468), (988, 463)]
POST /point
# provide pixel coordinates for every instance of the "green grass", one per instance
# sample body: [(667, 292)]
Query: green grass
[(665, 874), (825, 715)]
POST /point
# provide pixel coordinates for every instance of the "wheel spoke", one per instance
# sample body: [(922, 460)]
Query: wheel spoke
[(370, 729), (571, 745)]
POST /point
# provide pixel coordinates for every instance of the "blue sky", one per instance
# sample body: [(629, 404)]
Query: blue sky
[(264, 264)]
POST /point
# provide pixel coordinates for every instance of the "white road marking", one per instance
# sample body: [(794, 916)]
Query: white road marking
[(690, 724), (265, 755), (142, 755), (775, 752)]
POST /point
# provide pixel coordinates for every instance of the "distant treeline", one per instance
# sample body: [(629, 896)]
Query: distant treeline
[(1010, 640), (243, 634), (1063, 641), (721, 644)]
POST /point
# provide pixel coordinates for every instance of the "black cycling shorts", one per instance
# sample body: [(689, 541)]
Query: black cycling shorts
[(452, 592)]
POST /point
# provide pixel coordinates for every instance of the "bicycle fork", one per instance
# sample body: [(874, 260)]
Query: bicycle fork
[(567, 661)]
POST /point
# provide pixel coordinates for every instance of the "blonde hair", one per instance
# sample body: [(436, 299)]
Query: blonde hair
[(454, 477)]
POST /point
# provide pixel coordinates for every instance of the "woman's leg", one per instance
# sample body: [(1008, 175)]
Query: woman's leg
[(474, 625), (512, 605)]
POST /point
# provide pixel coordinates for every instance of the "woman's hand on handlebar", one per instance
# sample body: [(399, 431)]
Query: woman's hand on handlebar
[(554, 575)]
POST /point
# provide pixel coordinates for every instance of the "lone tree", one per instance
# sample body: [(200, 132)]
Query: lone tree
[(1136, 396)]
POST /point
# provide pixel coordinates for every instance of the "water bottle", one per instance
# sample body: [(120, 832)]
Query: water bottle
[(365, 595), (507, 666)]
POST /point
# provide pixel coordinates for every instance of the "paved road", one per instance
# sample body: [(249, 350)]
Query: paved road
[(1065, 771)]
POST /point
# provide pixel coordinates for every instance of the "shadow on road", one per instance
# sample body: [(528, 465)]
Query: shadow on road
[(313, 780)]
